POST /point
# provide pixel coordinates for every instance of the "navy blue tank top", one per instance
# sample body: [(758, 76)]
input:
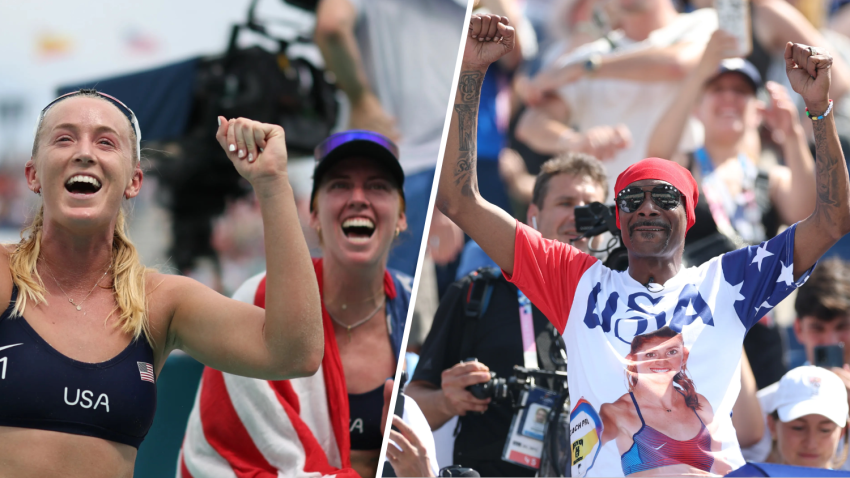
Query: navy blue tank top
[(41, 388), (365, 419)]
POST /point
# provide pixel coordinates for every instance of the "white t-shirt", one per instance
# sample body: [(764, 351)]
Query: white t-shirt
[(637, 104), (409, 51), (633, 351)]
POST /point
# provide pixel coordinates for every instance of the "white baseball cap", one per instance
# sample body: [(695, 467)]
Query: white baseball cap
[(810, 390)]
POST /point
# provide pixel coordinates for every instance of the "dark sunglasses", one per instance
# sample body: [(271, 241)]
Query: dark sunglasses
[(665, 196)]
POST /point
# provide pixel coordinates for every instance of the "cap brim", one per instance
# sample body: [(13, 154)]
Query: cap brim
[(358, 149), (838, 414)]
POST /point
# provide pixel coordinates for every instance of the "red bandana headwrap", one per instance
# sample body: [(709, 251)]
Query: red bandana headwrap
[(664, 170)]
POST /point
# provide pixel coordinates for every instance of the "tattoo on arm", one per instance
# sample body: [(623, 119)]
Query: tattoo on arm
[(469, 93), (828, 170)]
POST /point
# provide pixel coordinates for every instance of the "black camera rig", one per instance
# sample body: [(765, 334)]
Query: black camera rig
[(595, 219)]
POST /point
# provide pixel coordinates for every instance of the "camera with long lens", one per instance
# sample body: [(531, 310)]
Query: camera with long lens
[(595, 219)]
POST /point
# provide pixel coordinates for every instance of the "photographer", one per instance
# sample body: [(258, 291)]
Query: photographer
[(494, 336), (670, 398)]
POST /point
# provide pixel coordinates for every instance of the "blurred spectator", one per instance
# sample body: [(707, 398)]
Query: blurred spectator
[(439, 381), (823, 312), (776, 22), (615, 89), (808, 416), (398, 88)]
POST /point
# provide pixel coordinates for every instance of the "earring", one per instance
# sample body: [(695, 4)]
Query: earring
[(397, 231), (38, 191)]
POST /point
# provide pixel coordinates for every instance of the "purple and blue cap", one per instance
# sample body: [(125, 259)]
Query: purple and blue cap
[(356, 143)]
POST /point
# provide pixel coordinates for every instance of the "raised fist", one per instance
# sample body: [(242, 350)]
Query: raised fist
[(490, 37), (807, 68), (720, 46)]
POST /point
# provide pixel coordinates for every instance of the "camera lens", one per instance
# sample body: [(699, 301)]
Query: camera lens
[(483, 391)]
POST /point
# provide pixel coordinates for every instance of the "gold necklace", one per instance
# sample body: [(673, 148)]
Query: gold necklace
[(356, 324), (79, 306), (344, 306)]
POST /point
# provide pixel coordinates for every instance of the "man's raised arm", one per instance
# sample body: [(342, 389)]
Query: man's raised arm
[(489, 38), (808, 70)]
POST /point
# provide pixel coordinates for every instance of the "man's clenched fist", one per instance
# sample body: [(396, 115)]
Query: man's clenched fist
[(490, 37)]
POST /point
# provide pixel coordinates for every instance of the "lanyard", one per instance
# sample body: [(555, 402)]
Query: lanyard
[(526, 323), (705, 166)]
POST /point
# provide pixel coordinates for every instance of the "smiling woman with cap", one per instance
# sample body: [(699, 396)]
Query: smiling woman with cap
[(88, 327), (331, 422), (808, 418)]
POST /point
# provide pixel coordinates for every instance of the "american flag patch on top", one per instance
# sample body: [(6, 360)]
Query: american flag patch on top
[(146, 371)]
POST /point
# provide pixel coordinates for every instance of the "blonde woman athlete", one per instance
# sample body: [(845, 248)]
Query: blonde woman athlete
[(88, 327)]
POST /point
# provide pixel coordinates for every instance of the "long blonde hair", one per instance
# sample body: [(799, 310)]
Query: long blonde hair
[(128, 272)]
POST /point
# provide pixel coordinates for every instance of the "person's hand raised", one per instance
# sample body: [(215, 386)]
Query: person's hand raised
[(808, 71), (490, 37), (257, 150), (720, 46)]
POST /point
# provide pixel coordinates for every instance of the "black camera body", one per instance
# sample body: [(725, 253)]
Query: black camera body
[(495, 388), (597, 218)]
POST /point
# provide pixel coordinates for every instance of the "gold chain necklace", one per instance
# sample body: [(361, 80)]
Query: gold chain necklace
[(79, 306), (356, 324)]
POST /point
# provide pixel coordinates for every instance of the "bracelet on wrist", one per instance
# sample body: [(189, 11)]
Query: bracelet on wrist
[(825, 113)]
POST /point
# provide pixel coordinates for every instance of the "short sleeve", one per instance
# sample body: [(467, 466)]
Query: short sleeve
[(548, 272), (761, 276)]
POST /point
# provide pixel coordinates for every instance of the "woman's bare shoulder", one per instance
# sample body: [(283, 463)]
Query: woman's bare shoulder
[(620, 407)]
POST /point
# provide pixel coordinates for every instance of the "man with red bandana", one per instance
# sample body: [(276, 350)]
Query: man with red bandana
[(691, 321)]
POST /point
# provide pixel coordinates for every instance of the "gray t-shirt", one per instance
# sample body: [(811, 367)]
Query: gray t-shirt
[(409, 50)]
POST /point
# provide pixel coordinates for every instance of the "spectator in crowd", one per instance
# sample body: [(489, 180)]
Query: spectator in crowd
[(439, 381), (808, 416), (329, 423), (823, 311), (615, 89), (397, 88), (775, 22), (598, 310)]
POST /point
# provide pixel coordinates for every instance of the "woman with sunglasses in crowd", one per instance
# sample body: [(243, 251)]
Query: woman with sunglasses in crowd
[(88, 327), (330, 423)]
